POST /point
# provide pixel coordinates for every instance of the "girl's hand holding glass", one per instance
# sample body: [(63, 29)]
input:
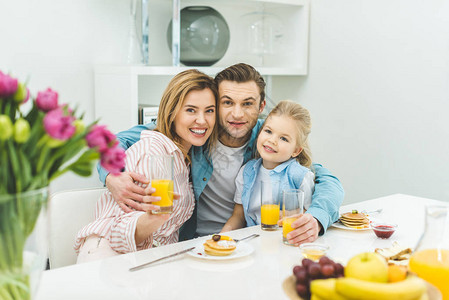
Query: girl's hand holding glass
[(305, 229)]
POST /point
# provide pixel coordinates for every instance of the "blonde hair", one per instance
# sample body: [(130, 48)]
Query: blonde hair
[(173, 100), (303, 123)]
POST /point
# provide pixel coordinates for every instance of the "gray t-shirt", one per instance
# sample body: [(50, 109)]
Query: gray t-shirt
[(254, 203), (216, 203)]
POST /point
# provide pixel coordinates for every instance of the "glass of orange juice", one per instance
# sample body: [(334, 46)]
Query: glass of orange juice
[(161, 177), (292, 207), (430, 261), (269, 205)]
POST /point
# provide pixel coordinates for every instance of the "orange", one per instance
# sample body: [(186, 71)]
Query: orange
[(396, 273)]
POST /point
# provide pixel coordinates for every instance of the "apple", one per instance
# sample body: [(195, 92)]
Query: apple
[(367, 266)]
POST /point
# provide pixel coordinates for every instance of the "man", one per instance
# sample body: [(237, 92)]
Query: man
[(241, 92)]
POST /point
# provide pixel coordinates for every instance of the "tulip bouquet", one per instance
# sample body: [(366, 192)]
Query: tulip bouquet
[(36, 148)]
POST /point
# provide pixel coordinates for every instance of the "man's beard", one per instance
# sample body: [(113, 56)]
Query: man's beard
[(227, 137)]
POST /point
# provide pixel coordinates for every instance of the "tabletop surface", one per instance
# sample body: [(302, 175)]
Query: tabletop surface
[(258, 275)]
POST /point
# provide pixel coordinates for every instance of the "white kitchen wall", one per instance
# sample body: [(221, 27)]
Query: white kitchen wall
[(377, 86), (378, 92), (55, 43)]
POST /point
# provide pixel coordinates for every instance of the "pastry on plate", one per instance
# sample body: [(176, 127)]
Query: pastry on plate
[(219, 245), (396, 254)]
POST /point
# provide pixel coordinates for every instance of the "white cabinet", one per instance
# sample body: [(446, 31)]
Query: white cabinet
[(120, 89)]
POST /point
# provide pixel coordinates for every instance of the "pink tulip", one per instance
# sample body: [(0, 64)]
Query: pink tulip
[(113, 160), (8, 85), (59, 124), (47, 100), (101, 138), (27, 97)]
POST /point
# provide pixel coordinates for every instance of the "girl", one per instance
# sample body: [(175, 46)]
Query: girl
[(186, 118), (284, 157)]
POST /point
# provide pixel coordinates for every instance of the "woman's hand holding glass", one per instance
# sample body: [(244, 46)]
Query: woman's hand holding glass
[(148, 200), (149, 222)]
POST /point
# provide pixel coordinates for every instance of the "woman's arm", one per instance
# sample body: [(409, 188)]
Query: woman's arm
[(236, 221), (147, 224)]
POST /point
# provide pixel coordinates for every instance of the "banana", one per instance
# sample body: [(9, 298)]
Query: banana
[(424, 296), (325, 289), (410, 288)]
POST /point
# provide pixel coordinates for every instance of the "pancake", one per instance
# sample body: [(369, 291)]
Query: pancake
[(353, 216), (354, 219), (219, 246), (354, 223)]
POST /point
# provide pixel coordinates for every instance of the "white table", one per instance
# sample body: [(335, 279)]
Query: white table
[(257, 276)]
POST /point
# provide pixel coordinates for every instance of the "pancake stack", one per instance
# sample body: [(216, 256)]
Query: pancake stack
[(219, 245), (355, 220)]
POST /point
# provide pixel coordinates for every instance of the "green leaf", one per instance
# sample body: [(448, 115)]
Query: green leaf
[(82, 169), (25, 168), (33, 114), (15, 165)]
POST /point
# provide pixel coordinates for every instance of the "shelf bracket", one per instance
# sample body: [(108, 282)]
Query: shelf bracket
[(144, 12), (176, 33)]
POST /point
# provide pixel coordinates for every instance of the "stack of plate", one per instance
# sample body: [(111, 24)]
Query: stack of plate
[(355, 219)]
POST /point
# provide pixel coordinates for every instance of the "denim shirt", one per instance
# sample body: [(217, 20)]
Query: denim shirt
[(326, 199), (290, 175), (201, 163)]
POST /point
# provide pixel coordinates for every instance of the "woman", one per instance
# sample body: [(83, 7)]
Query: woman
[(186, 118)]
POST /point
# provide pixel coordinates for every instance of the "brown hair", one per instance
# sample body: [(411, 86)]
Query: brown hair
[(173, 100), (242, 73), (303, 123)]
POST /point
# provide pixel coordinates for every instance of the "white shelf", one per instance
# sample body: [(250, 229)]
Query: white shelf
[(171, 71), (119, 89)]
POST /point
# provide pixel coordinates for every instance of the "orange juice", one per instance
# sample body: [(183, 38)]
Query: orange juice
[(426, 264), (164, 189), (313, 254), (287, 227), (270, 214)]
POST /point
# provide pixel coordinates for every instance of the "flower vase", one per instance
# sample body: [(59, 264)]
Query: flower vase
[(23, 243)]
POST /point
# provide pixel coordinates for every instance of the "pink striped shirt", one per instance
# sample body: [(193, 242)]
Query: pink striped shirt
[(119, 227)]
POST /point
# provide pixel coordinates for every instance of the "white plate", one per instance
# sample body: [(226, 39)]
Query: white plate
[(241, 250), (341, 226)]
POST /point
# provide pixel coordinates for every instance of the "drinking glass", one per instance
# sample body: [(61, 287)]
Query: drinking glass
[(269, 205), (292, 207), (430, 259), (161, 178)]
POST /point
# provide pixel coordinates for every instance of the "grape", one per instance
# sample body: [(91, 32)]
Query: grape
[(296, 269), (314, 270), (324, 260), (310, 270), (302, 277), (307, 262), (328, 270), (339, 269), (302, 290)]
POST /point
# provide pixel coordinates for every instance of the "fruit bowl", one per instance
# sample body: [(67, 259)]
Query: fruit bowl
[(383, 230), (313, 251), (289, 287)]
